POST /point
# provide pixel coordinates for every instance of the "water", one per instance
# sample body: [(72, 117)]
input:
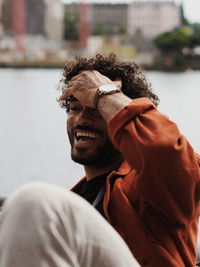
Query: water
[(33, 139)]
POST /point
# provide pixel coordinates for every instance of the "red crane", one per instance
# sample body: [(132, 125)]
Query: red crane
[(83, 24), (19, 23)]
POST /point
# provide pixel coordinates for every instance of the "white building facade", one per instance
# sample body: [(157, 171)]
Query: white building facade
[(54, 19), (150, 18)]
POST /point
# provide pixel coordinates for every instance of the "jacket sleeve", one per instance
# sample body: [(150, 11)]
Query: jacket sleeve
[(167, 169)]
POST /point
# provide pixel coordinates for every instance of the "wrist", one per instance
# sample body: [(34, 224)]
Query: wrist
[(104, 90), (109, 105)]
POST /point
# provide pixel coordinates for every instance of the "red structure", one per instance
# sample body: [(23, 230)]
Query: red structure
[(19, 23), (83, 24)]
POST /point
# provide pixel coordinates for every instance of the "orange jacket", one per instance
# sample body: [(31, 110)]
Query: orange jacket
[(153, 199)]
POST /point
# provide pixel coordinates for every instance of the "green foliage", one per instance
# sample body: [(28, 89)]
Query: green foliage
[(172, 47), (179, 60), (196, 27), (195, 38), (184, 37), (122, 29), (99, 30), (184, 21), (187, 30), (71, 31), (174, 40)]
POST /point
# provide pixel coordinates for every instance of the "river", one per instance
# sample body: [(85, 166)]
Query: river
[(33, 139)]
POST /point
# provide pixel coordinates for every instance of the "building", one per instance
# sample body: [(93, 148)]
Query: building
[(108, 18), (140, 20), (1, 26), (54, 19), (43, 19), (145, 18), (6, 16), (102, 18), (76, 26), (34, 14), (150, 18)]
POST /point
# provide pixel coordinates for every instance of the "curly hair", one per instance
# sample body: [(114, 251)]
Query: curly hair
[(134, 83)]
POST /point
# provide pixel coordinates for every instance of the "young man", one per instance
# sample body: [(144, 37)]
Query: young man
[(141, 174)]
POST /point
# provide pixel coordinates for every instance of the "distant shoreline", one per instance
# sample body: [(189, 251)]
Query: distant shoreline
[(61, 66)]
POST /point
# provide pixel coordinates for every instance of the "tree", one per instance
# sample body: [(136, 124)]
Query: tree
[(122, 29), (171, 46), (195, 38), (71, 27), (174, 40), (99, 30), (184, 21), (177, 47)]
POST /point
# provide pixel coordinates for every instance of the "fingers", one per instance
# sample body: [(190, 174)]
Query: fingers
[(73, 84), (74, 78), (65, 95), (82, 80)]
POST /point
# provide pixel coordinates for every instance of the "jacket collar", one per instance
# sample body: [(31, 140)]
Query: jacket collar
[(123, 170)]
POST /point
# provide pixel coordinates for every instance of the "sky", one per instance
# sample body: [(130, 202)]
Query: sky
[(191, 7)]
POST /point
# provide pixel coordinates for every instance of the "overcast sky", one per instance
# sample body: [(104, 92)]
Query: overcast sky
[(191, 7)]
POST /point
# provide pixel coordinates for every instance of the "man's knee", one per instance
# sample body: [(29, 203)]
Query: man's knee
[(35, 195), (36, 205), (33, 224), (38, 209), (41, 218)]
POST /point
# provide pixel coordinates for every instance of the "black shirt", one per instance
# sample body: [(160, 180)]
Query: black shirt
[(90, 189)]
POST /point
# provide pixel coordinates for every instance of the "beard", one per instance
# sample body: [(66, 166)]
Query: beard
[(101, 156)]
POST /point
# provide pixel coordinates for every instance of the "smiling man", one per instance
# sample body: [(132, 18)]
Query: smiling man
[(90, 144), (141, 175), (89, 136)]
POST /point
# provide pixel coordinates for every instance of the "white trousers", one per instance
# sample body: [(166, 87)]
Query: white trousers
[(43, 225)]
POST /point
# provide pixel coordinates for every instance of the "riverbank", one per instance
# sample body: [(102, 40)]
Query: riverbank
[(61, 64)]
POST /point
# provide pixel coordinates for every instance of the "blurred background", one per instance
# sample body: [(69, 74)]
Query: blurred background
[(158, 34), (38, 37)]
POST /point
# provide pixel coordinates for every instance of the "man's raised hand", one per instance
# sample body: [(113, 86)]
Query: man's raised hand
[(84, 86)]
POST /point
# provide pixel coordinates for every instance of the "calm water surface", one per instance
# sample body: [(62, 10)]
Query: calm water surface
[(33, 139)]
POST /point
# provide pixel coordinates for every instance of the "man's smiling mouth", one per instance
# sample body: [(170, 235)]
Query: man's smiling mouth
[(86, 135)]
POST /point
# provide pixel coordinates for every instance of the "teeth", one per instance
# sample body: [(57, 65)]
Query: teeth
[(86, 134)]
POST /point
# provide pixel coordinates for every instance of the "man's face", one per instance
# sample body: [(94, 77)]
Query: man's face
[(88, 136)]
